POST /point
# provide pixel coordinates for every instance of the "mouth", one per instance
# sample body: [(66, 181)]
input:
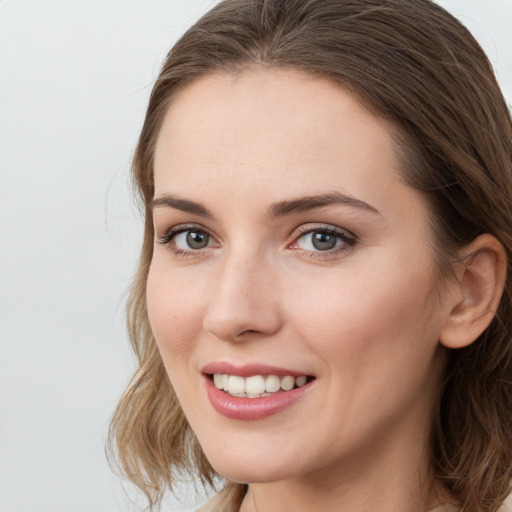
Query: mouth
[(254, 391), (257, 386)]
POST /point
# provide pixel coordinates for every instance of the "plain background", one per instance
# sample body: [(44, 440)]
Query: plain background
[(74, 82)]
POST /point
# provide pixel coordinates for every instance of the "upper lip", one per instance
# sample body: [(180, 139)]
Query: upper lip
[(248, 370)]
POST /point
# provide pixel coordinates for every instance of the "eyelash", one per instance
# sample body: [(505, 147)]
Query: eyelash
[(168, 238), (348, 240)]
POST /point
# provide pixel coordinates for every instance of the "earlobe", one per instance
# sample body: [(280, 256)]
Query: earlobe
[(479, 288)]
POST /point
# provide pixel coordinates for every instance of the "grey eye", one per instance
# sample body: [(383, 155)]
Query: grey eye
[(323, 241), (192, 240), (319, 240)]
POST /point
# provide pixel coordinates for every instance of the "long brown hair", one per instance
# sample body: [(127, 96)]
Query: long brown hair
[(413, 64)]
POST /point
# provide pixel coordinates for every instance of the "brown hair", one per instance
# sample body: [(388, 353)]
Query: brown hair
[(413, 64)]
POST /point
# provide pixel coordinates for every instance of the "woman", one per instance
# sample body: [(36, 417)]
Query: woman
[(322, 308)]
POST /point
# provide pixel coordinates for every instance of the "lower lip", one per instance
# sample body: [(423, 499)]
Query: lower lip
[(240, 408)]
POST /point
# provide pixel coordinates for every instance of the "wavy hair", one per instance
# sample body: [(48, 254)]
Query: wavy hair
[(414, 65)]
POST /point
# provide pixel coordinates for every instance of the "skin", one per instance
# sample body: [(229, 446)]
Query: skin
[(362, 318)]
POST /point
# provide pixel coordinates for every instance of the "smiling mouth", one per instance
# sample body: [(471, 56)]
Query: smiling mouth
[(257, 386)]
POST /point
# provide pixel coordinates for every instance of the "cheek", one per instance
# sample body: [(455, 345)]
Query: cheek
[(361, 315), (175, 309), (375, 338)]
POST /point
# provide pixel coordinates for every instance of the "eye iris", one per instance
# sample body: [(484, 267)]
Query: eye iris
[(323, 241), (197, 240)]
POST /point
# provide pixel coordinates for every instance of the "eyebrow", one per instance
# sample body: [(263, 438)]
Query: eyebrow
[(279, 209), (302, 204), (178, 203)]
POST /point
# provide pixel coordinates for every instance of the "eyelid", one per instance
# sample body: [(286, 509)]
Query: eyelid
[(312, 227), (348, 238), (170, 235), (180, 228)]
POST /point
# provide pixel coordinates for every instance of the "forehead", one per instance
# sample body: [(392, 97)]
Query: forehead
[(274, 132)]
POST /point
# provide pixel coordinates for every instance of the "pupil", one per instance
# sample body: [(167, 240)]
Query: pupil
[(323, 241), (197, 240)]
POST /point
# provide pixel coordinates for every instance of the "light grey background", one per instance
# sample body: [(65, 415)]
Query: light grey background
[(74, 81)]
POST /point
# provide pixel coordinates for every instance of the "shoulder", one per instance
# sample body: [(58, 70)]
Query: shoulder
[(228, 499)]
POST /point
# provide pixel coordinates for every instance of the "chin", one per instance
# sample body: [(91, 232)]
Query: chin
[(249, 469), (244, 475)]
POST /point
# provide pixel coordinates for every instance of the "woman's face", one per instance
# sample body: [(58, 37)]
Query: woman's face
[(288, 249)]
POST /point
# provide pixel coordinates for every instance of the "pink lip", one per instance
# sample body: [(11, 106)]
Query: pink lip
[(247, 370), (240, 408)]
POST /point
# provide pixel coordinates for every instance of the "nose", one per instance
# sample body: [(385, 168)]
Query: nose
[(244, 302)]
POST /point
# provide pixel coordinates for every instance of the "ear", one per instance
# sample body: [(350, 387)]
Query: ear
[(477, 291)]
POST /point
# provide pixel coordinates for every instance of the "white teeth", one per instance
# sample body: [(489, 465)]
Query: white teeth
[(218, 380), (287, 383), (256, 385), (300, 381), (236, 385), (272, 384)]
